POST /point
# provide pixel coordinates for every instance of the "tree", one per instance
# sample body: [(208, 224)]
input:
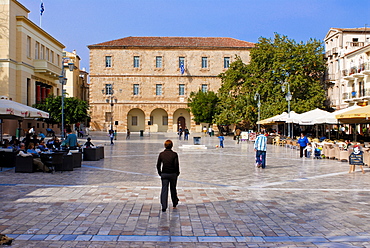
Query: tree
[(234, 96), (203, 105), (274, 61), (75, 110)]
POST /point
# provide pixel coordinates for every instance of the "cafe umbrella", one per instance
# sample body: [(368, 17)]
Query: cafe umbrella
[(14, 110)]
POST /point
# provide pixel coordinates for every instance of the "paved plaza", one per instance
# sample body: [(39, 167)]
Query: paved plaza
[(225, 201)]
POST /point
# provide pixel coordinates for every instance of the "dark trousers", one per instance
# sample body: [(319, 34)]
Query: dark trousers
[(301, 148), (171, 180), (261, 158)]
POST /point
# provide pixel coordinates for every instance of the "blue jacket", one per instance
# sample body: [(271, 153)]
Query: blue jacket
[(303, 141)]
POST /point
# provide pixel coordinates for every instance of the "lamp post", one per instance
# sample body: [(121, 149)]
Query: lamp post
[(63, 81), (111, 116), (258, 96), (288, 98)]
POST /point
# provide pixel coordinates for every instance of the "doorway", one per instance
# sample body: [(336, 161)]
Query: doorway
[(181, 122)]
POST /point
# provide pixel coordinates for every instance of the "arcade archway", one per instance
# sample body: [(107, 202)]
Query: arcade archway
[(136, 120)]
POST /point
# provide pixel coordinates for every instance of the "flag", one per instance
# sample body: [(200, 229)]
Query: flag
[(182, 68), (42, 8)]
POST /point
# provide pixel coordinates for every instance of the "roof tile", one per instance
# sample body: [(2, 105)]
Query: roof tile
[(176, 42)]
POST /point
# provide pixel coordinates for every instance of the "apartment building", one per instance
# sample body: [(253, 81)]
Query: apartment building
[(143, 83), (347, 54)]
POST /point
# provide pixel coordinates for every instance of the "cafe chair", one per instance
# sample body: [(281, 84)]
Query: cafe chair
[(24, 164), (54, 161)]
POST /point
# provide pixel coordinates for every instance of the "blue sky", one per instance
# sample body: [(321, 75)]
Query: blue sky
[(78, 23)]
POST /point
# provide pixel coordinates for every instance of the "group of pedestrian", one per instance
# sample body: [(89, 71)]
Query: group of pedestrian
[(185, 131)]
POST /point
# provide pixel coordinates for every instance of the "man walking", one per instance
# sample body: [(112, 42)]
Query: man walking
[(260, 146)]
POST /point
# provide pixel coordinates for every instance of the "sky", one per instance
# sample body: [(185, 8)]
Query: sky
[(79, 23)]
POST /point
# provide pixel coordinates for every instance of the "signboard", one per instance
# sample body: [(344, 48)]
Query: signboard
[(244, 136), (252, 136)]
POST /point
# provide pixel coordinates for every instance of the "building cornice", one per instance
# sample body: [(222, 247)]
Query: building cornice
[(91, 47), (34, 26), (21, 5), (162, 76)]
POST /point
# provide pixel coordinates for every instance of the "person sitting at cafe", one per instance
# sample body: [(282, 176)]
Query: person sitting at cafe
[(42, 146), (27, 139), (35, 140), (71, 140), (14, 141), (36, 157), (88, 143)]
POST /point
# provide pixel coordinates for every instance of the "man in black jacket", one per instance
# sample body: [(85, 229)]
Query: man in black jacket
[(168, 173)]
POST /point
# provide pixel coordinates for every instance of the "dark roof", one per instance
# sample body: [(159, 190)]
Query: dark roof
[(195, 42)]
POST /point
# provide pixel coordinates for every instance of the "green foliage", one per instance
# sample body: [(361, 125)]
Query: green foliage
[(203, 105), (75, 110), (273, 62)]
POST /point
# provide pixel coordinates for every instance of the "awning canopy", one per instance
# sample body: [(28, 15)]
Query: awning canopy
[(307, 118), (269, 121), (359, 115), (10, 110), (330, 117)]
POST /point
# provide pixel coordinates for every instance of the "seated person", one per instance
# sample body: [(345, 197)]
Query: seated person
[(42, 146), (6, 144), (36, 157), (14, 141), (56, 143), (88, 143), (35, 140)]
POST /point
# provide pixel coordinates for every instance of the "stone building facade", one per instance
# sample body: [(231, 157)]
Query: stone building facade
[(348, 61), (143, 83)]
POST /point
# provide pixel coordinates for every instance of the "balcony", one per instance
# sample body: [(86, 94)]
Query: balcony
[(328, 54), (44, 67), (355, 44), (366, 69), (347, 74), (335, 50), (366, 95)]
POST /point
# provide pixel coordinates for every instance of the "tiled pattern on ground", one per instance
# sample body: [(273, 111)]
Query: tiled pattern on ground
[(224, 201)]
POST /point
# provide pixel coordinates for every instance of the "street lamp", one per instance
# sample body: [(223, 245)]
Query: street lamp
[(63, 81), (288, 98), (110, 100), (258, 96)]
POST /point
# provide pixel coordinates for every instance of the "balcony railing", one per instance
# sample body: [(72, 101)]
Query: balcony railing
[(353, 70), (345, 96), (355, 44)]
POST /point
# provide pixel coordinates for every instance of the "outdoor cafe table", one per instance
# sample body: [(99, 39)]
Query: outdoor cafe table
[(67, 164), (93, 153)]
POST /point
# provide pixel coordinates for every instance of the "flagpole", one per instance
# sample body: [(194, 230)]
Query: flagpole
[(41, 12)]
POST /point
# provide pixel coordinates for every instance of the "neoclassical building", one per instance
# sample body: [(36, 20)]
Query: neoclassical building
[(143, 83), (348, 62), (30, 61)]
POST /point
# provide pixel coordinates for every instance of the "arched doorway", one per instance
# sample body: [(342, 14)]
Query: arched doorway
[(181, 117), (136, 120), (159, 120), (181, 122)]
